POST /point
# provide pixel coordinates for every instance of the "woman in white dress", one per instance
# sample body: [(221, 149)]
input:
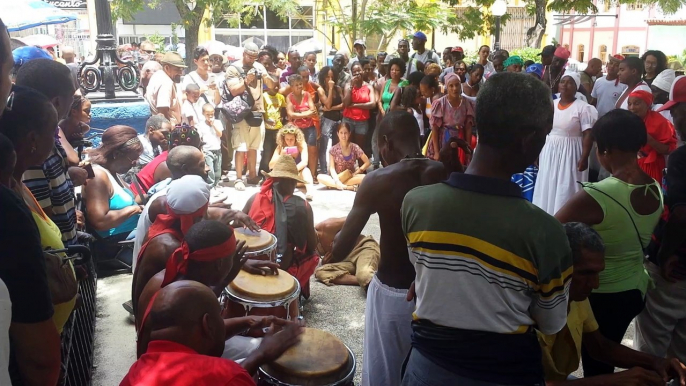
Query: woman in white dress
[(564, 159)]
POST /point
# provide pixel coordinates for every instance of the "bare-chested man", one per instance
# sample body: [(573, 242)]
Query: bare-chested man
[(388, 314)]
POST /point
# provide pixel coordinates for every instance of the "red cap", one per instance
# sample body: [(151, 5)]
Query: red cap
[(562, 53), (677, 94), (457, 49)]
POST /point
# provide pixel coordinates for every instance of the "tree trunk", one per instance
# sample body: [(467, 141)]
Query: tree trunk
[(534, 35), (191, 23)]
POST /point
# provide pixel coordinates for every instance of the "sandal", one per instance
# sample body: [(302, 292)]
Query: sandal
[(239, 185)]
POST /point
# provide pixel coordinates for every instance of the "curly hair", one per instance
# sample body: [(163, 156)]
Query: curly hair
[(281, 135), (400, 63), (661, 60), (118, 138), (432, 69)]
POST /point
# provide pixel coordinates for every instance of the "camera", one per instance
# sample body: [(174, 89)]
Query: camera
[(256, 72)]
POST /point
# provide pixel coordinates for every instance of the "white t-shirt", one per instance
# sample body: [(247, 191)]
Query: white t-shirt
[(420, 120), (426, 56), (641, 86), (5, 321), (193, 111), (209, 135), (194, 78), (606, 92), (160, 93)]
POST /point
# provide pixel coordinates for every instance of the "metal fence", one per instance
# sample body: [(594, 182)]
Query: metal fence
[(78, 336), (513, 34)]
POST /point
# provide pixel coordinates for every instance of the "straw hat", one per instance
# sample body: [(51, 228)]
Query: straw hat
[(285, 167)]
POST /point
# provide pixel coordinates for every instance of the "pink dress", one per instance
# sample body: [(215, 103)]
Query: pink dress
[(452, 119)]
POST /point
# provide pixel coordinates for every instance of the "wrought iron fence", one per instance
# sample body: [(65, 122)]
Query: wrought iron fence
[(78, 336)]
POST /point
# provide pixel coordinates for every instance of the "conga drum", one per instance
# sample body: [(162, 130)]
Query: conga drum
[(249, 294), (261, 245), (319, 359)]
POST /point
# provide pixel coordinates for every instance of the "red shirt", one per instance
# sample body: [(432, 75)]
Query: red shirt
[(359, 95), (172, 364), (147, 174)]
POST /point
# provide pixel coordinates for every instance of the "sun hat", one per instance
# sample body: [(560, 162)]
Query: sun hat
[(285, 167), (677, 94), (173, 59), (616, 58)]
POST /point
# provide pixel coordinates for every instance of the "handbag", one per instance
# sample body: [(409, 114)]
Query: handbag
[(638, 234), (239, 107), (61, 278), (254, 119)]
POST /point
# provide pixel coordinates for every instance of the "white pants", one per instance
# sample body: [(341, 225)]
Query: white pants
[(661, 327), (387, 334), (238, 347)]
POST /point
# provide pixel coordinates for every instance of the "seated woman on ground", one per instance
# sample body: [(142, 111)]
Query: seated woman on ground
[(343, 157), (291, 141), (110, 206), (78, 121)]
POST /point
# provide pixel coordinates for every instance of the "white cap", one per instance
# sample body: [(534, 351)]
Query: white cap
[(188, 194)]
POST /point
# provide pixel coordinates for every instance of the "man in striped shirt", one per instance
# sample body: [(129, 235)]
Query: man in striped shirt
[(489, 265)]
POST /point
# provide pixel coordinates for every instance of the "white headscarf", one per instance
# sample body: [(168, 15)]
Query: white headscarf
[(188, 194), (575, 77), (664, 80)]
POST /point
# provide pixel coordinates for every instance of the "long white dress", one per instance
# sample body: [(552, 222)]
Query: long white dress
[(558, 171)]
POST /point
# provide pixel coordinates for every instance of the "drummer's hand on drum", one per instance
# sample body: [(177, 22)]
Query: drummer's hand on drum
[(242, 219), (275, 343), (261, 267), (261, 325), (238, 259)]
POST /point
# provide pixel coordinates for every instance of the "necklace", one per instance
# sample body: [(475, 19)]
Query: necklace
[(552, 84), (414, 157)]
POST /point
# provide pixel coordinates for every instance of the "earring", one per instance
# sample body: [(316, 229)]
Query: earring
[(33, 149)]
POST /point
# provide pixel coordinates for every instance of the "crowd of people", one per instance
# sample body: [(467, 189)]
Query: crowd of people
[(528, 212)]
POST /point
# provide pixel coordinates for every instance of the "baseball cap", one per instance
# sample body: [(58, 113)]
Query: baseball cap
[(173, 59), (547, 51), (615, 58), (25, 54), (535, 68), (562, 53), (419, 35), (251, 48), (359, 42), (457, 49), (388, 59), (677, 94)]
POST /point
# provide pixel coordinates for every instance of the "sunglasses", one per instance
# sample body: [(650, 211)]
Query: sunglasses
[(151, 52), (290, 130), (10, 102)]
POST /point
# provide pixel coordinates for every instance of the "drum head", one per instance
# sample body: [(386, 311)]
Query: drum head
[(258, 287), (255, 242), (320, 358)]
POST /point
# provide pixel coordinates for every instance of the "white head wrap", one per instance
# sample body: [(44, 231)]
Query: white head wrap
[(664, 80), (575, 77), (188, 194)]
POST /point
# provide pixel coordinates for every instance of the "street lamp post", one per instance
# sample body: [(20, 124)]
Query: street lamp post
[(106, 72), (498, 9)]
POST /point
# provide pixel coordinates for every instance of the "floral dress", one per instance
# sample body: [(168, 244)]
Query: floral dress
[(451, 121)]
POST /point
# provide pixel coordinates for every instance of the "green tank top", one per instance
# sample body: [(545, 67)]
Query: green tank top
[(624, 257), (387, 96)]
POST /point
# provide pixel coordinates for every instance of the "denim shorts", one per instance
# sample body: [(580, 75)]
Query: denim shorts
[(357, 127), (310, 134)]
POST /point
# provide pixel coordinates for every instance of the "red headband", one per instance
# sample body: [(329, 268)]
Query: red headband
[(644, 95), (169, 219), (178, 261)]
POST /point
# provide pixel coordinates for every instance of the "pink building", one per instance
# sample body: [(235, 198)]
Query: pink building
[(628, 29)]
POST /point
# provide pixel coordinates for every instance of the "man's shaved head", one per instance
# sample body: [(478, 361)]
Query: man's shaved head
[(68, 54), (398, 136), (184, 160), (187, 312)]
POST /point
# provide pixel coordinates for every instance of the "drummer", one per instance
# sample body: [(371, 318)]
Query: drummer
[(296, 239), (209, 254), (186, 340)]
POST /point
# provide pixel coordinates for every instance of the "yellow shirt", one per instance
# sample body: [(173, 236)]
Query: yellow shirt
[(562, 351), (51, 238), (272, 108)]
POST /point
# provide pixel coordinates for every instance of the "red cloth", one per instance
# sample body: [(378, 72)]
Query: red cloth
[(262, 209), (171, 222), (644, 95), (359, 95), (178, 261), (662, 130), (304, 105), (167, 363), (147, 174), (303, 271)]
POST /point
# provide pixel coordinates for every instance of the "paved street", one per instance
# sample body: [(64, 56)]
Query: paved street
[(339, 310)]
